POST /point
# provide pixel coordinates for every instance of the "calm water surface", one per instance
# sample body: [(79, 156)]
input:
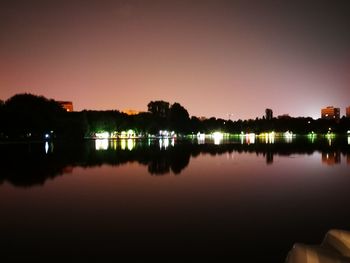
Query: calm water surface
[(171, 201)]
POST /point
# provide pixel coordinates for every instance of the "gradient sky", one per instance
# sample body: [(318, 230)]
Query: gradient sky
[(214, 57)]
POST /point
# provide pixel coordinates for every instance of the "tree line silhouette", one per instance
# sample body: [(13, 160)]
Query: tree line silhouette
[(30, 117)]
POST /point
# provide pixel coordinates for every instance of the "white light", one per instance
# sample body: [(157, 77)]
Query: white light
[(46, 147), (101, 144), (114, 144), (131, 144), (131, 134), (288, 136), (164, 143), (47, 136), (348, 132), (102, 135), (123, 144), (200, 136), (123, 135), (271, 137), (217, 136), (250, 138)]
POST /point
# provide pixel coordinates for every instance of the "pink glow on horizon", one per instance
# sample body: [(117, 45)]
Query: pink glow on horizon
[(213, 60)]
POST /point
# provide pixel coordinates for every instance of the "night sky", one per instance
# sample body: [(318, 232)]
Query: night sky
[(216, 58)]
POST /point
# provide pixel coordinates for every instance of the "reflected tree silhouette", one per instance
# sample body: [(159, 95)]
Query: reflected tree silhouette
[(30, 164)]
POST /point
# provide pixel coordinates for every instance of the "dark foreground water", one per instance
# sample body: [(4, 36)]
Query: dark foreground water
[(170, 201)]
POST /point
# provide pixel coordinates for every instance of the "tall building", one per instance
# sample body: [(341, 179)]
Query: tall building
[(330, 113), (268, 114), (67, 105), (348, 112)]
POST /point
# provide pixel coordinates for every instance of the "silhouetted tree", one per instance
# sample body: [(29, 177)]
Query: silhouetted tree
[(179, 118), (159, 108), (27, 115)]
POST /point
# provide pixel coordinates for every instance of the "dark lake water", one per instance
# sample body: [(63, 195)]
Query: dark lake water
[(227, 201)]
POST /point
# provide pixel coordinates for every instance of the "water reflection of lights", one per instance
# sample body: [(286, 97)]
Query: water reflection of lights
[(311, 136), (164, 143), (272, 137), (46, 147), (250, 138), (329, 137), (114, 144), (348, 139), (131, 144), (217, 136), (101, 144), (241, 137), (123, 144), (217, 141), (288, 137), (269, 137), (329, 141), (200, 138)]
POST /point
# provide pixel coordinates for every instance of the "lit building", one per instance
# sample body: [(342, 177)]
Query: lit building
[(330, 113), (67, 105), (268, 114), (131, 112), (348, 112)]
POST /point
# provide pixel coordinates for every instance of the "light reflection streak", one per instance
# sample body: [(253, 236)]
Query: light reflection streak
[(217, 141), (200, 138), (217, 136), (123, 144), (114, 144), (131, 144), (250, 138), (101, 144), (46, 147), (164, 143)]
